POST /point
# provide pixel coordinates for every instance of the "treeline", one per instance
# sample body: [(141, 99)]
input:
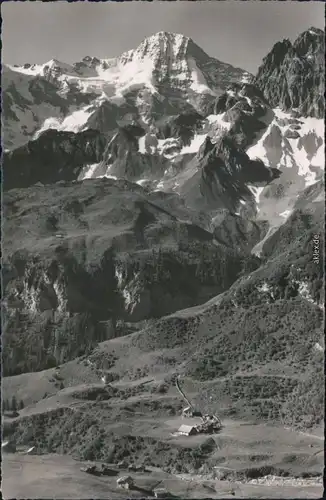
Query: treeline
[(186, 267), (31, 345), (12, 404)]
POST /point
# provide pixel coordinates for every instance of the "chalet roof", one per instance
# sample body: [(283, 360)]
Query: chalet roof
[(30, 449), (187, 428), (125, 479)]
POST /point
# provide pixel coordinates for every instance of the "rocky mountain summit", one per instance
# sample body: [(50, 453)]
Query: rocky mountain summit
[(292, 75)]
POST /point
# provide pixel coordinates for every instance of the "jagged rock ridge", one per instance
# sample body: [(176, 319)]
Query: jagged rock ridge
[(292, 75)]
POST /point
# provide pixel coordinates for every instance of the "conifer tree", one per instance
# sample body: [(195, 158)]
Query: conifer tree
[(13, 403)]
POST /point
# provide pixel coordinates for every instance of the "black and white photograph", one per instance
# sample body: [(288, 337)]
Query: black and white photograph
[(163, 207)]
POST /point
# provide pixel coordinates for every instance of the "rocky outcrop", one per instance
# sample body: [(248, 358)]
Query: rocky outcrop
[(292, 75), (108, 116), (22, 117), (306, 217), (122, 158), (86, 67), (223, 175), (182, 126), (243, 95), (238, 231)]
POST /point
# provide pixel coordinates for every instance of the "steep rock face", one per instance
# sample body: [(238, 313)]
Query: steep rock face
[(292, 268), (182, 126), (238, 231), (245, 96), (292, 75), (108, 116), (94, 252), (21, 119), (306, 217), (122, 158), (87, 62), (54, 156), (246, 110), (224, 173), (32, 102), (176, 61)]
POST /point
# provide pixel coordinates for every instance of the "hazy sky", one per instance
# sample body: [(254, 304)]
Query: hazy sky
[(237, 32)]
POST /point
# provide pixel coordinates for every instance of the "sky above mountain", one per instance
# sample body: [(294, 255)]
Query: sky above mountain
[(240, 33)]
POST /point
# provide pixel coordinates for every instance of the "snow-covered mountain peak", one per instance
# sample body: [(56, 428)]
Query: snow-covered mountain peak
[(165, 57), (172, 60), (160, 46), (54, 68)]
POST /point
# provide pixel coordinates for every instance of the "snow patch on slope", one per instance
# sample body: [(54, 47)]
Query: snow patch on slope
[(90, 169), (130, 75), (141, 145), (74, 122), (319, 347), (199, 83), (33, 70), (293, 152), (286, 214), (77, 119), (141, 182), (49, 123), (256, 191), (219, 121), (258, 248), (55, 66), (170, 147), (300, 156), (258, 150), (195, 144)]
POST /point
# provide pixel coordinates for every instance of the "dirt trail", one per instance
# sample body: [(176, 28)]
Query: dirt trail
[(284, 481), (269, 480), (321, 438), (312, 435)]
